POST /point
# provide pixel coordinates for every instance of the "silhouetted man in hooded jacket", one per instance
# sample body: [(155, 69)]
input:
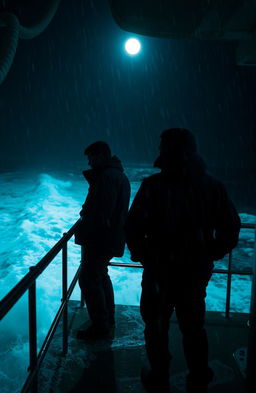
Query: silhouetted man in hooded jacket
[(101, 234), (180, 222)]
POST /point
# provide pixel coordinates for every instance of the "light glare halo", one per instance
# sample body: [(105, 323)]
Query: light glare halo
[(132, 46)]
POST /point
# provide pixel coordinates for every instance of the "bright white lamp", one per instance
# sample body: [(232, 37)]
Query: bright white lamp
[(132, 46)]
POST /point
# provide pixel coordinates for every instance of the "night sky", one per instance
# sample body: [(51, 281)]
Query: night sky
[(75, 84)]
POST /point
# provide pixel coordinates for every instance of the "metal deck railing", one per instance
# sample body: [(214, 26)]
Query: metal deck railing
[(28, 283)]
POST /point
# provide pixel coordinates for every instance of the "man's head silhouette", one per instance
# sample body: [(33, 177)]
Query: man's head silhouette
[(177, 145), (177, 140), (98, 154)]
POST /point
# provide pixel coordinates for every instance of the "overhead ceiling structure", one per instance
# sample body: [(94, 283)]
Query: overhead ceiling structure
[(12, 30), (192, 19)]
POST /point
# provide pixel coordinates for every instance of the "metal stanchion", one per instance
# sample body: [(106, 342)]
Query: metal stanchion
[(82, 302), (251, 352), (64, 298), (32, 332), (229, 279)]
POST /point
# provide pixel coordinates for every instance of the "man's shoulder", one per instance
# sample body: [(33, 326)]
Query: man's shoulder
[(151, 182), (212, 181), (152, 179), (206, 181), (114, 174)]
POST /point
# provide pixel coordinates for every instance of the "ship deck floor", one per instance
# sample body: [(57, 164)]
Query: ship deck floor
[(113, 366)]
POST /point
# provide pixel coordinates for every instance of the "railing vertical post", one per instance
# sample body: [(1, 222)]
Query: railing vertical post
[(229, 279), (251, 352), (64, 298), (82, 297), (32, 331)]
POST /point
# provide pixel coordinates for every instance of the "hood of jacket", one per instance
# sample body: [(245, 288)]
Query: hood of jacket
[(91, 175), (181, 167)]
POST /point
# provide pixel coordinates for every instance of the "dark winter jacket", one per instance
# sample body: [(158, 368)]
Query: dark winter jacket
[(105, 209), (182, 218)]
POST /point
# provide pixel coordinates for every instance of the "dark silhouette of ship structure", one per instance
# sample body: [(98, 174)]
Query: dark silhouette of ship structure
[(67, 365)]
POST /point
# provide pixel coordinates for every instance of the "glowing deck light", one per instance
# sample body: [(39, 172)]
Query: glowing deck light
[(132, 46)]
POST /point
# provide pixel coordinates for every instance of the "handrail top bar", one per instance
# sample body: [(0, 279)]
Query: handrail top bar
[(121, 264), (248, 225), (19, 289), (246, 272)]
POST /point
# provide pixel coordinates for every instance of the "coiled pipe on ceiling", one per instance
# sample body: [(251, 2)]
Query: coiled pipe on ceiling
[(13, 30)]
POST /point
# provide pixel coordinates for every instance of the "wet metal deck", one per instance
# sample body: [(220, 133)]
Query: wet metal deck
[(113, 366)]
